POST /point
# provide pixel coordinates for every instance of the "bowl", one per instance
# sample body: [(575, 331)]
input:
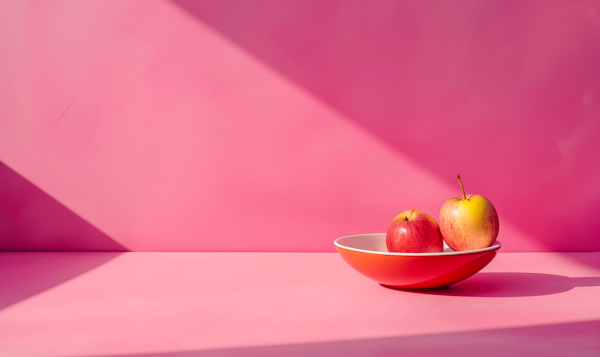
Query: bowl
[(368, 255)]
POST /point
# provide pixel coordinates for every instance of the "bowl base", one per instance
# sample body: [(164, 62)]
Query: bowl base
[(405, 288)]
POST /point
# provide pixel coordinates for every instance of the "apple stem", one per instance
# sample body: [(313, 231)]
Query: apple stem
[(461, 186)]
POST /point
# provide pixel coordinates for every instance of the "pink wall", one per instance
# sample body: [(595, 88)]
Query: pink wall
[(282, 125)]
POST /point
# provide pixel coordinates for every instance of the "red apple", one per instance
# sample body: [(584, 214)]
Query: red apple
[(469, 222), (414, 231)]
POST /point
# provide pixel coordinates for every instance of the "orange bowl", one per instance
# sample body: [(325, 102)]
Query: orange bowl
[(368, 254)]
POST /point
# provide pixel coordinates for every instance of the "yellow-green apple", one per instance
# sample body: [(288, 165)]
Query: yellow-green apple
[(468, 222), (414, 231)]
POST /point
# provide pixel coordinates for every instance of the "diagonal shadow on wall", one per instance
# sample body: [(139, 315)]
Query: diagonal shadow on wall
[(483, 89), (31, 220), (580, 339)]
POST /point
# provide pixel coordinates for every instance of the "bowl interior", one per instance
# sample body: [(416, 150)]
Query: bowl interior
[(375, 243)]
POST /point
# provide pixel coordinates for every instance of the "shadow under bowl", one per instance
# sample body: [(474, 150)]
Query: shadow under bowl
[(368, 254)]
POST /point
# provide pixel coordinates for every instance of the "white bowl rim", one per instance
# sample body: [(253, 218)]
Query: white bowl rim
[(496, 245)]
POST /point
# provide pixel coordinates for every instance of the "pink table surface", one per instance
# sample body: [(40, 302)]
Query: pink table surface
[(290, 304)]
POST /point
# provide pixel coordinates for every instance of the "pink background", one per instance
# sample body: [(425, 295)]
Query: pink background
[(282, 125)]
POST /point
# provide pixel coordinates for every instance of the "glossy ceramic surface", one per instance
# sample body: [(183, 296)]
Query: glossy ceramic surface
[(368, 254)]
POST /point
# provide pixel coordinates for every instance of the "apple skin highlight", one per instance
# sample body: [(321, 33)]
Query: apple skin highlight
[(469, 224), (414, 231)]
